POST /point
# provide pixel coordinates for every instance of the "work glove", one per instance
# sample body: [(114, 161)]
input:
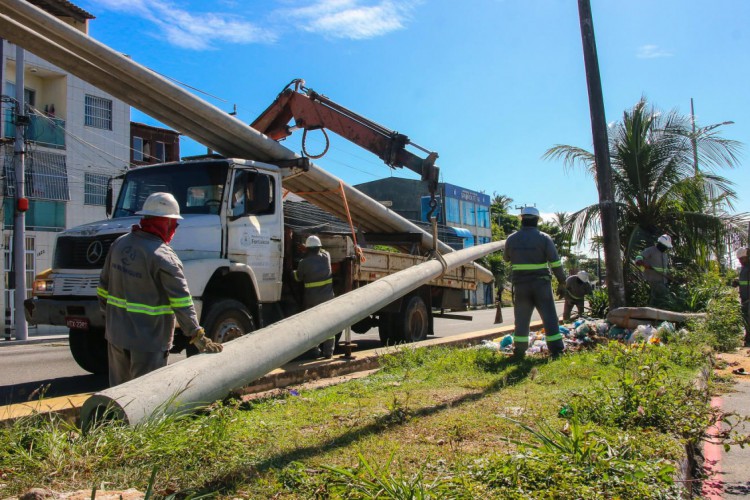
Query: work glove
[(205, 344)]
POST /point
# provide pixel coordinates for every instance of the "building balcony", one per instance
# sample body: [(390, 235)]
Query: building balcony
[(43, 130)]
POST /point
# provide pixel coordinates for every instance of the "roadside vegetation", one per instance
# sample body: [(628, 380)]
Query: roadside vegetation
[(432, 423)]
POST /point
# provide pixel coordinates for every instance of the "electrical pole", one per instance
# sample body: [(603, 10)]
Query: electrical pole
[(19, 221), (607, 208)]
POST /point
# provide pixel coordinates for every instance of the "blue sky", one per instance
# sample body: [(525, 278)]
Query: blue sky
[(488, 84)]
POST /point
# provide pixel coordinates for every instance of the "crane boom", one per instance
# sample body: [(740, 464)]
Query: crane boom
[(311, 111)]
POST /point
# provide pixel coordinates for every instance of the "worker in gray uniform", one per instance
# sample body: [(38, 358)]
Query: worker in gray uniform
[(576, 289), (314, 270), (654, 262), (744, 284), (532, 254), (142, 288)]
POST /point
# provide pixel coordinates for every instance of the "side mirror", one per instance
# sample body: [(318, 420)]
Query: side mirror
[(110, 195)]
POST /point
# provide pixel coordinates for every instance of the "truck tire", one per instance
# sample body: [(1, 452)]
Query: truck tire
[(89, 350), (227, 319), (386, 327), (412, 324)]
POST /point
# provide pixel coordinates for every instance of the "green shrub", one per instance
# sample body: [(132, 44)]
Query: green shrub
[(599, 303), (723, 326), (645, 394)]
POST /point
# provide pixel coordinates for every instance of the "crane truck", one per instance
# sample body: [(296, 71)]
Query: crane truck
[(240, 248)]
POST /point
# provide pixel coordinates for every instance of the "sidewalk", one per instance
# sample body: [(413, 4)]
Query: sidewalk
[(37, 335), (731, 470)]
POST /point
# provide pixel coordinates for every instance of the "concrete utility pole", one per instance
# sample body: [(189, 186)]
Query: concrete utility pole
[(607, 209), (19, 221)]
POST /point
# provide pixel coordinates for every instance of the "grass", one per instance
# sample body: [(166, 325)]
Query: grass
[(433, 423)]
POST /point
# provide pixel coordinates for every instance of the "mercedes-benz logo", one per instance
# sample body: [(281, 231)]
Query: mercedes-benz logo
[(94, 252)]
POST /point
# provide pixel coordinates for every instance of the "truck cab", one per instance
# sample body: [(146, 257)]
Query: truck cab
[(231, 243)]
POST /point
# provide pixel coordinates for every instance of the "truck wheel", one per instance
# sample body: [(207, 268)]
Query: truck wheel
[(227, 320), (89, 349), (412, 324), (386, 330)]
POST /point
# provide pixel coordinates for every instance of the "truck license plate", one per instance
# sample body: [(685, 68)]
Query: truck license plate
[(77, 323)]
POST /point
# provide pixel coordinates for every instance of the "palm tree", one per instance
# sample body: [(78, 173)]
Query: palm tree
[(656, 186)]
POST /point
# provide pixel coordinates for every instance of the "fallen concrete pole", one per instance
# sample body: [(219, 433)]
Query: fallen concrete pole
[(201, 380), (632, 317)]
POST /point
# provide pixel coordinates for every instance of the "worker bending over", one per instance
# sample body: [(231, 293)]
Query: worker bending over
[(314, 271), (576, 289), (532, 254)]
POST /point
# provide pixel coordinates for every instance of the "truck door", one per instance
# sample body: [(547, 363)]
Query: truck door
[(255, 228)]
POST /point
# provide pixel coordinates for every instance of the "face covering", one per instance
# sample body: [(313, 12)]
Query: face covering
[(163, 227), (662, 248)]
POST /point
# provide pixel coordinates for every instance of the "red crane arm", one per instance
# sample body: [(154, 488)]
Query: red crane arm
[(312, 111)]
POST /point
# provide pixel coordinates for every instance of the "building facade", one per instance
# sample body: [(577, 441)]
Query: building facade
[(149, 144), (77, 138)]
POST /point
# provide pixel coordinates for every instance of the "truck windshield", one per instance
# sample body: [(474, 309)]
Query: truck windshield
[(198, 187)]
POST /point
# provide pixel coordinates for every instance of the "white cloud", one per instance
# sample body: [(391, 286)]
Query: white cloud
[(652, 52), (352, 19), (192, 30)]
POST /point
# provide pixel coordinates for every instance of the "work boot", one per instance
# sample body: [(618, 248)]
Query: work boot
[(519, 351), (327, 347), (556, 348)]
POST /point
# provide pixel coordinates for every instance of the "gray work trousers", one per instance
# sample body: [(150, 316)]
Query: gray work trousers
[(126, 364), (568, 308), (535, 294)]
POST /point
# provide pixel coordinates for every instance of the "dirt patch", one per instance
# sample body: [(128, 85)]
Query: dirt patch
[(735, 364)]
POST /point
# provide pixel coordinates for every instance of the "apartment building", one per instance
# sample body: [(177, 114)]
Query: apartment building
[(77, 138)]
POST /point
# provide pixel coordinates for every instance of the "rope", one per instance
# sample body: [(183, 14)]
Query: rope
[(357, 249)]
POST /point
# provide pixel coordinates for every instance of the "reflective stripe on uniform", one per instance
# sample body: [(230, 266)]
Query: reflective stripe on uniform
[(181, 302), (101, 292), (134, 307), (552, 338), (535, 267), (528, 267), (315, 284), (296, 276), (744, 283), (521, 339)]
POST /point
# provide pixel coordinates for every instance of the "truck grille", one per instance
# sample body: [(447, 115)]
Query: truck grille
[(81, 252), (76, 285)]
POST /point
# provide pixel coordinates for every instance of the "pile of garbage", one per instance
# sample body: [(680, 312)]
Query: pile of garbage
[(586, 332)]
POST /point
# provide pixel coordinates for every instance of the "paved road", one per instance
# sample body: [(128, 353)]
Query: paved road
[(27, 369)]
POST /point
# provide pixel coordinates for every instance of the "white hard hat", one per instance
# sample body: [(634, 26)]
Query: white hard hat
[(530, 212), (161, 205), (665, 240), (742, 252), (313, 242), (583, 276)]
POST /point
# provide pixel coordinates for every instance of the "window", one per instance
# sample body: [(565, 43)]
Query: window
[(160, 151), (468, 214), (252, 194), (46, 176), (95, 189), (98, 112), (137, 148), (41, 216), (483, 216), (452, 213)]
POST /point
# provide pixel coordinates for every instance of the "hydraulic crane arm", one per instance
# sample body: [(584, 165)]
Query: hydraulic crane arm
[(312, 111)]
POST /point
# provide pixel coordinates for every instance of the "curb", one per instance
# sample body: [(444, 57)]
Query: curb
[(35, 340), (294, 373)]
